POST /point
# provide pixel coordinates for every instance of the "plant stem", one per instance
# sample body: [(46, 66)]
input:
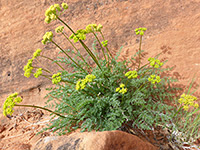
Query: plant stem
[(90, 53), (66, 25), (53, 60), (140, 47), (42, 69), (100, 45), (63, 102), (43, 66), (33, 106), (68, 56), (82, 43), (75, 49), (177, 111), (46, 76), (106, 46)]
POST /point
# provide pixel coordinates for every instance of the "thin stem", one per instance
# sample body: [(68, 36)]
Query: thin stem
[(53, 60), (106, 46), (90, 88), (43, 66), (63, 102), (68, 56), (66, 25), (46, 76), (75, 49), (90, 53), (180, 107), (100, 45), (82, 43), (42, 69), (33, 106), (140, 47), (143, 66)]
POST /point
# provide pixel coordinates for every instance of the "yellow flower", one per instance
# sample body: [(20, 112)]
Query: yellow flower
[(90, 77), (57, 6), (50, 13), (52, 16), (47, 19), (28, 68), (59, 29), (37, 53), (121, 89), (90, 28), (81, 84), (155, 62), (104, 43), (78, 85), (153, 79), (186, 107), (131, 74), (188, 100), (196, 105), (117, 89), (64, 5), (140, 31), (47, 37), (56, 78), (99, 27), (38, 72), (9, 103), (122, 85), (18, 100), (79, 35)]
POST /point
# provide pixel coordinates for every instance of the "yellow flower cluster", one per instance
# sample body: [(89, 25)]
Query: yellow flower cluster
[(93, 27), (28, 68), (140, 31), (155, 62), (188, 100), (104, 43), (81, 84), (47, 37), (153, 79), (59, 29), (131, 74), (121, 89), (38, 73), (37, 53), (56, 78), (81, 34), (53, 11), (64, 6), (9, 103)]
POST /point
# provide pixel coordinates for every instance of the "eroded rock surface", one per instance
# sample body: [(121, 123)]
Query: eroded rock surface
[(107, 140)]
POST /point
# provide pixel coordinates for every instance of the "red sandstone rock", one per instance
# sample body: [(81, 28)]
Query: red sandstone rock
[(107, 140)]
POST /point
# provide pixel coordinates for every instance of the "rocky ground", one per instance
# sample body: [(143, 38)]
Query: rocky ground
[(20, 133)]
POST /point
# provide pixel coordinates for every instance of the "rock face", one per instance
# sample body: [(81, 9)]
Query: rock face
[(107, 140)]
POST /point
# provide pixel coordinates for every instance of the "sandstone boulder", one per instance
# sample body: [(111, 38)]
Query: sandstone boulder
[(107, 140)]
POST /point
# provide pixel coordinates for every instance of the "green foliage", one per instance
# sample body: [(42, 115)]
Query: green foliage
[(115, 94), (99, 107)]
